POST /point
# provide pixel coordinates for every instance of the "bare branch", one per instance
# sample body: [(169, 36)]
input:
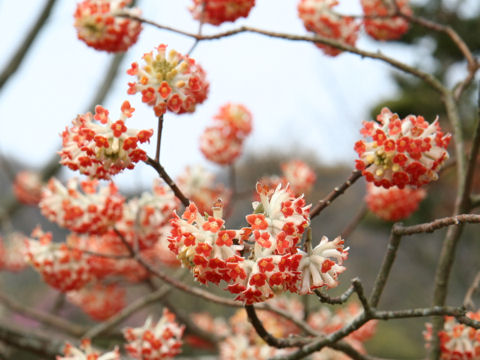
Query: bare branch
[(398, 229)]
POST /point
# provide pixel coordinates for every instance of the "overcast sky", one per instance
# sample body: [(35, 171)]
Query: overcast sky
[(298, 96)]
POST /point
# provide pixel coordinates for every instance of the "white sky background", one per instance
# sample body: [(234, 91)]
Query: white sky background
[(299, 97)]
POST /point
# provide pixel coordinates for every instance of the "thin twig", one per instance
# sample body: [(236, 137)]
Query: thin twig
[(355, 221), (398, 229), (472, 290), (159, 138), (335, 300), (322, 204)]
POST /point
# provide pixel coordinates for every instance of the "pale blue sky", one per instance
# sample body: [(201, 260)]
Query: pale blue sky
[(298, 96)]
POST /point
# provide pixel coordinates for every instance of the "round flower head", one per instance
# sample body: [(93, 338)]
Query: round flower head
[(219, 146), (28, 187), (401, 152), (99, 301), (171, 82), (318, 16), (216, 12), (457, 341), (86, 352), (103, 149), (379, 25), (100, 26), (393, 204), (92, 211), (237, 118), (61, 267), (299, 175), (155, 341)]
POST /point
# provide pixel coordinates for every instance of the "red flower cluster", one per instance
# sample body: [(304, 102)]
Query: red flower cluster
[(86, 352), (61, 267), (100, 26), (99, 301), (216, 12), (273, 264), (93, 211), (319, 17), (299, 175), (155, 341), (27, 187), (222, 143), (171, 82), (379, 25), (401, 152), (457, 341), (101, 151), (393, 204)]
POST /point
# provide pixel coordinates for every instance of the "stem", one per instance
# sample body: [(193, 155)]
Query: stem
[(159, 138)]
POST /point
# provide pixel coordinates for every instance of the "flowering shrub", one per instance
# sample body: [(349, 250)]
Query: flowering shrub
[(318, 16), (155, 341), (216, 12), (402, 152), (172, 82), (101, 151), (99, 24), (393, 204)]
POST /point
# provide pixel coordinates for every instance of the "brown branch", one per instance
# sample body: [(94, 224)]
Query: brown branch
[(398, 229), (322, 204), (168, 180), (159, 138), (428, 78), (472, 290), (324, 298), (44, 318), (19, 55)]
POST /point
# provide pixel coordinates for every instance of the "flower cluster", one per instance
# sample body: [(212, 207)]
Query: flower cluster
[(216, 12), (27, 187), (155, 341), (63, 268), (273, 263), (199, 186), (102, 149), (86, 352), (100, 26), (222, 143), (457, 341), (393, 204), (319, 17), (171, 82), (401, 152), (99, 301), (299, 175), (91, 212), (379, 25), (13, 252)]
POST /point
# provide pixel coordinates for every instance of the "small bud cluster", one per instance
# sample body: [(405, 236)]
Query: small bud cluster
[(171, 82), (27, 187), (99, 24), (223, 142), (379, 25), (103, 149), (274, 263), (457, 341), (216, 12), (99, 301), (155, 341), (13, 252), (319, 17), (401, 152), (393, 204), (198, 184), (86, 352)]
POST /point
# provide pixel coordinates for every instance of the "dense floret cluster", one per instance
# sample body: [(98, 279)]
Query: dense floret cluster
[(216, 12)]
